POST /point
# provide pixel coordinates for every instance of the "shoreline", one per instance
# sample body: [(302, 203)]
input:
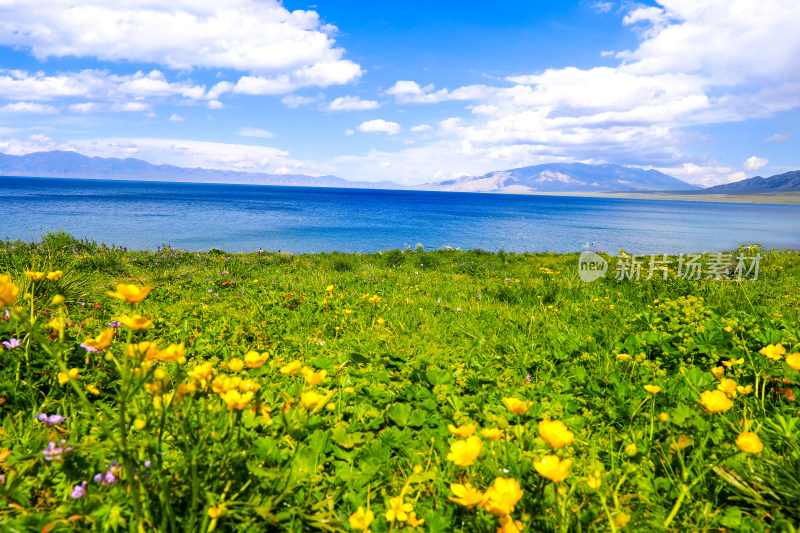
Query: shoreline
[(783, 198)]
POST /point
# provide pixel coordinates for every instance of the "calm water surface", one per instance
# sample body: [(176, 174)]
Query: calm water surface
[(241, 218)]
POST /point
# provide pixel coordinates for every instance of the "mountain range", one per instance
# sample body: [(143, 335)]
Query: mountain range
[(548, 178)]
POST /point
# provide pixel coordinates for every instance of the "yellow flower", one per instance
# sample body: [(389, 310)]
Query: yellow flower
[(793, 360), (462, 431), (313, 378), (652, 389), (57, 300), (201, 371), (236, 399), (728, 386), (773, 352), (733, 362), (216, 512), (509, 525), (594, 482), (54, 276), (34, 276), (744, 390), (413, 521), (664, 417), (715, 401), (492, 433), (361, 519), (623, 357), (249, 385), (717, 371), (102, 341), (235, 364), (555, 433), (172, 354), (398, 510), (518, 407), (349, 390), (502, 496), (92, 389), (146, 350), (130, 293), (310, 399), (375, 299), (553, 468), (381, 321), (8, 291), (464, 452), (64, 377), (466, 495), (291, 369), (749, 442), (55, 323), (135, 322), (254, 359), (622, 519), (728, 329), (329, 288)]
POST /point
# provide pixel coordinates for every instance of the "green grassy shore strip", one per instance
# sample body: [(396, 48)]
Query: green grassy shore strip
[(409, 390)]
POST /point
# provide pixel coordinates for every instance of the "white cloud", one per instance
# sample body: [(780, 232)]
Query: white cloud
[(246, 35), (176, 118), (254, 132), (350, 103), (379, 125), (755, 163), (421, 127), (294, 101), (778, 138), (349, 132), (28, 107), (602, 7), (411, 92)]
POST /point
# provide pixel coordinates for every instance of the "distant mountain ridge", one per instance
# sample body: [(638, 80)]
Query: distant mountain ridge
[(61, 164), (786, 182), (565, 177)]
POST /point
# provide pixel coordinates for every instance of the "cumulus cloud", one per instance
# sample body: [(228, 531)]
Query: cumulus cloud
[(350, 103), (421, 127), (294, 101), (411, 92), (755, 163), (778, 138), (379, 125), (176, 118), (254, 132), (28, 107)]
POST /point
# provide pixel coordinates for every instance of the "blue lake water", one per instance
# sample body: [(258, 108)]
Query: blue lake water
[(244, 218)]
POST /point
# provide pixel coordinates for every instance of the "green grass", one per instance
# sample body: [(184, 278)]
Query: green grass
[(449, 336)]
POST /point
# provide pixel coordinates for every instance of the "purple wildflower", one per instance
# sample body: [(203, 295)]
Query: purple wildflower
[(12, 343), (52, 452), (480, 297), (51, 420), (79, 491), (458, 309), (6, 316), (147, 463), (528, 378), (115, 323), (89, 348), (224, 272), (209, 291)]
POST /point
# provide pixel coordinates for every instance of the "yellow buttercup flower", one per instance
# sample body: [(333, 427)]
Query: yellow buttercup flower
[(310, 399), (35, 276), (291, 369), (623, 357), (146, 350), (413, 521), (8, 291), (749, 442), (130, 293), (54, 276), (715, 401), (102, 341), (728, 386), (94, 390), (555, 433), (793, 360), (518, 407), (733, 362), (361, 519), (398, 510), (135, 322), (172, 354), (509, 525), (652, 389), (553, 468), (254, 359), (466, 495), (502, 496), (773, 351), (462, 431), (235, 364), (64, 377), (492, 433), (594, 482), (201, 371), (717, 371), (744, 390), (216, 512), (329, 288), (311, 377), (464, 452), (374, 299), (236, 399), (248, 385)]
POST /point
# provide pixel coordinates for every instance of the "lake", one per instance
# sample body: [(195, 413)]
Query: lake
[(244, 218)]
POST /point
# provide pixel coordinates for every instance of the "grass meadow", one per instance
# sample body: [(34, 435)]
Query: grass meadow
[(404, 391)]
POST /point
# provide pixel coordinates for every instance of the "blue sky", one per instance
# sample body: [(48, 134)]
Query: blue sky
[(705, 90)]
